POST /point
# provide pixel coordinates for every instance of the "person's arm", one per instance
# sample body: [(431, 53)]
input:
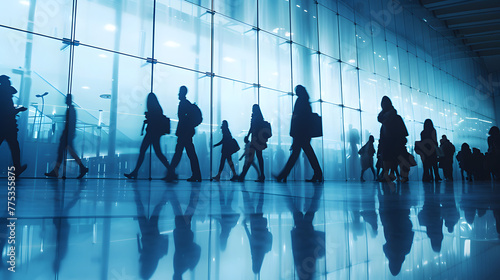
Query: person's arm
[(220, 143)]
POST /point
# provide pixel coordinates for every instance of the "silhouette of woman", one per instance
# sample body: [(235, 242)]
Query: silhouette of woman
[(464, 158), (367, 152), (302, 114), (228, 148), (493, 155), (429, 156), (66, 141), (257, 144), (393, 135), (157, 125)]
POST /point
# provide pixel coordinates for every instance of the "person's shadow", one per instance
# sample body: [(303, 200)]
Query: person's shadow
[(187, 253), (430, 216), (228, 217), (151, 244), (61, 222), (394, 211), (449, 207), (308, 244), (259, 236)]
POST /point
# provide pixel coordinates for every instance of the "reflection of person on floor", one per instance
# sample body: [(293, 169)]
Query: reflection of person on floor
[(66, 142), (368, 210), (302, 114), (246, 157), (229, 147), (394, 213), (228, 217), (187, 252), (259, 236), (8, 122), (157, 126), (185, 132), (152, 245), (61, 217), (366, 152), (449, 208), (430, 216), (308, 244)]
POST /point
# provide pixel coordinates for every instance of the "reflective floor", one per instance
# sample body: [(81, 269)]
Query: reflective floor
[(118, 229)]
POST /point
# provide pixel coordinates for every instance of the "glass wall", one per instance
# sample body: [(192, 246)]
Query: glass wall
[(231, 55)]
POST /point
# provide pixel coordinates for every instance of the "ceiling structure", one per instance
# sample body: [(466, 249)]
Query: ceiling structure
[(475, 22)]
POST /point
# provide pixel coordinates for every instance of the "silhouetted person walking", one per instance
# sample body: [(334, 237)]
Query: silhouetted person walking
[(493, 155), (464, 158), (152, 245), (66, 141), (300, 132), (428, 152), (189, 117), (393, 135), (229, 147), (8, 122), (157, 126), (366, 152), (260, 131), (228, 216), (446, 161)]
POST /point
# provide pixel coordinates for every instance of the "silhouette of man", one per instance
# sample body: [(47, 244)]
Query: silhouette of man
[(446, 162), (66, 141), (185, 132), (8, 122)]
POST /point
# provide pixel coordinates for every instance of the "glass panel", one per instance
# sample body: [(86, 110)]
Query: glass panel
[(306, 70), (126, 26), (352, 128), (274, 62), (347, 41), (365, 50), (330, 80), (274, 16), (241, 10), (183, 35), (368, 92), (235, 53), (350, 91), (304, 23), (328, 32), (334, 168)]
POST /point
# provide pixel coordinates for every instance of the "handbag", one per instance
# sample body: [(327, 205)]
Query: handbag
[(316, 126), (233, 146)]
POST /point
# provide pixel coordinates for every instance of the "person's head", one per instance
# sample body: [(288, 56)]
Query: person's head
[(183, 92), (256, 112), (428, 125), (386, 103), (494, 131), (371, 139), (4, 80), (444, 137), (153, 104), (69, 99), (465, 147), (224, 125), (301, 92)]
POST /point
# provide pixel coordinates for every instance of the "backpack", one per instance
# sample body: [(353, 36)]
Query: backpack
[(266, 131), (195, 115), (164, 124)]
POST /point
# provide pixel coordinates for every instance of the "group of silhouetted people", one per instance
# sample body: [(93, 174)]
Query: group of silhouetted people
[(393, 159)]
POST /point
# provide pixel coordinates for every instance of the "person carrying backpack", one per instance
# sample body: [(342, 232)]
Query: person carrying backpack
[(157, 126), (229, 147), (189, 117), (366, 152), (261, 132)]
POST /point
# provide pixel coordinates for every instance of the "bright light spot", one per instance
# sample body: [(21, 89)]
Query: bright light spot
[(425, 262), (373, 80), (229, 59), (375, 52), (275, 74), (467, 248), (383, 58), (394, 67), (172, 44), (314, 16), (54, 112), (305, 11), (352, 61), (109, 27), (103, 55), (288, 34), (24, 3), (364, 41), (379, 55), (276, 30), (298, 6), (85, 87)]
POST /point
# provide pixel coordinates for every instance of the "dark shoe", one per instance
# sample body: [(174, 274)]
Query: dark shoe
[(240, 179), (194, 179), (362, 180), (20, 170), (52, 174), (261, 179), (83, 171), (131, 176), (216, 178), (171, 177), (234, 178), (316, 179)]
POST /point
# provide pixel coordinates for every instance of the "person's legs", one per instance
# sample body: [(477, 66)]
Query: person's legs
[(15, 151), (146, 142), (248, 162), (60, 155), (231, 165), (373, 172), (313, 160), (158, 152), (291, 161), (436, 172), (260, 159), (361, 177), (221, 168), (179, 148), (193, 158)]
